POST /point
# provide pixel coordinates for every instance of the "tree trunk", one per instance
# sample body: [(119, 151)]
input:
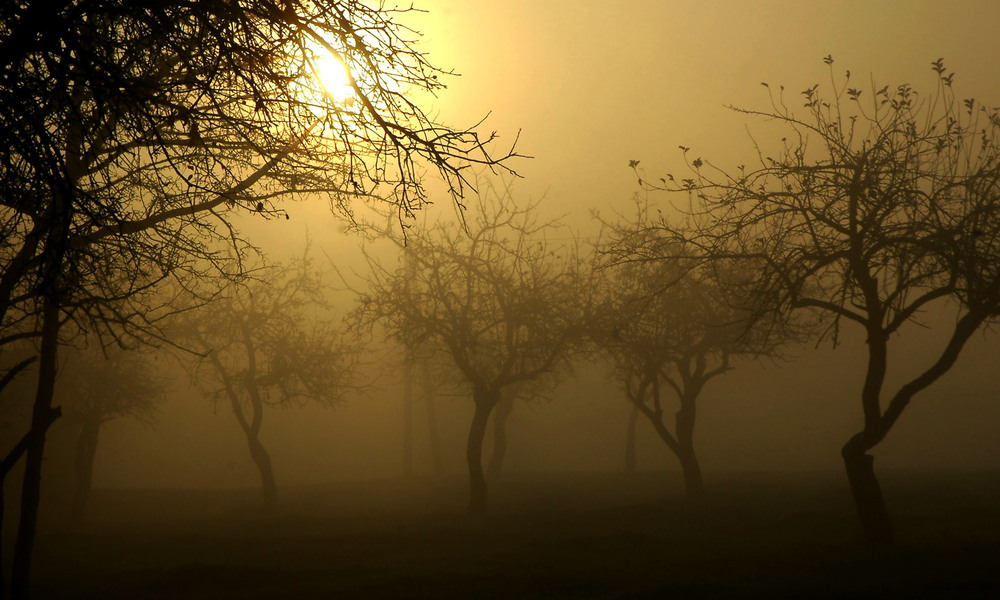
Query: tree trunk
[(432, 424), (6, 466), (694, 486), (867, 494), (42, 416), (251, 429), (474, 453), (504, 408), (269, 491), (633, 419), (86, 450)]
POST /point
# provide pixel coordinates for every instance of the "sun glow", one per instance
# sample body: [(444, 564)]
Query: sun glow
[(333, 76)]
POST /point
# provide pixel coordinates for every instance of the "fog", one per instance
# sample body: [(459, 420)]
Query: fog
[(585, 87), (590, 88)]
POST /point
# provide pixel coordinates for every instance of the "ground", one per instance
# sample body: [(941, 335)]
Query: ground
[(567, 535)]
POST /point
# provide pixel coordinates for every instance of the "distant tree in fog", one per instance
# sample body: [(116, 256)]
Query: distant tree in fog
[(496, 297), (96, 386), (264, 342), (879, 205), (669, 321), (423, 369)]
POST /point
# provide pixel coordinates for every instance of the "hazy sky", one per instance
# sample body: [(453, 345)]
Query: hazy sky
[(592, 84)]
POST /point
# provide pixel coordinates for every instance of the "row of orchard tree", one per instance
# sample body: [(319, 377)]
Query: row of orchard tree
[(505, 305), (879, 209), (134, 135)]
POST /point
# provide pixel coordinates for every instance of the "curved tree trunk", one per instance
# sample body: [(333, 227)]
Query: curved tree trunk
[(503, 410), (633, 419), (485, 402), (261, 458), (694, 485), (86, 450)]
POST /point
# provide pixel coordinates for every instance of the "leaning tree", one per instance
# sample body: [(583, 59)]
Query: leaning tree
[(266, 343), (669, 320), (495, 297), (133, 132), (880, 206)]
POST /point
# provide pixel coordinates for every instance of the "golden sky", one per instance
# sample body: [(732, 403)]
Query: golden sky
[(592, 84)]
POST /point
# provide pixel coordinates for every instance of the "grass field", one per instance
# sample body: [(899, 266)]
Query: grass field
[(564, 535)]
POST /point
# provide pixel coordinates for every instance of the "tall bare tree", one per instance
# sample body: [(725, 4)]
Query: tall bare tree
[(673, 321), (496, 297), (880, 205), (265, 343)]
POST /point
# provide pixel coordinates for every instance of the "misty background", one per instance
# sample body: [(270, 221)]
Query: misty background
[(591, 86)]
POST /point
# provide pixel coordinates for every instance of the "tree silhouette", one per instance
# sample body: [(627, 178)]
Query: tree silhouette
[(496, 298), (97, 386), (879, 205), (132, 133), (261, 344), (677, 322)]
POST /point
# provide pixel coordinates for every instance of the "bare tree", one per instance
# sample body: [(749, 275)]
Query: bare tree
[(676, 322), (496, 297), (879, 205), (97, 386), (264, 343)]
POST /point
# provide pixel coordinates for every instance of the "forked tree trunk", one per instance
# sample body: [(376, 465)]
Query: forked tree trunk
[(633, 419), (251, 429), (484, 402), (694, 487), (503, 410), (868, 499), (85, 452)]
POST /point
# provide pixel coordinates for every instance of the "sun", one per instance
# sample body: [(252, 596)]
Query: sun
[(333, 76)]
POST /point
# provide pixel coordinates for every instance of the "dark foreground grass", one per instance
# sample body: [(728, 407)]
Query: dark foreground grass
[(547, 536)]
